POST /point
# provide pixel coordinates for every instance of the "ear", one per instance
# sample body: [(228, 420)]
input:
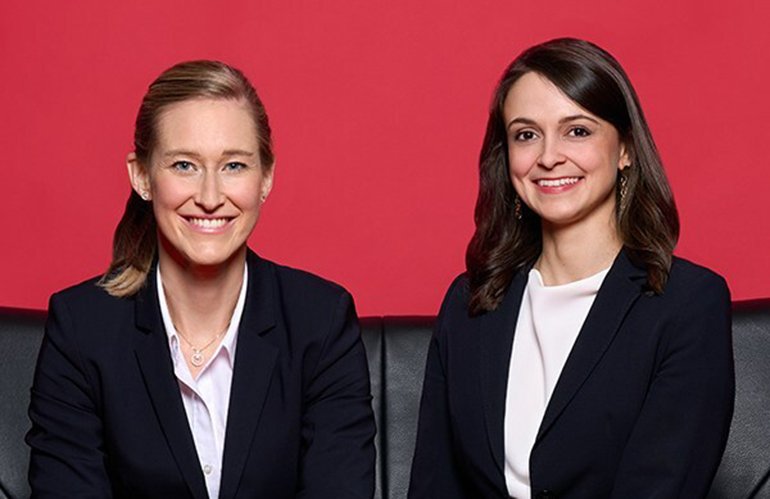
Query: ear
[(626, 158), (267, 182), (139, 176)]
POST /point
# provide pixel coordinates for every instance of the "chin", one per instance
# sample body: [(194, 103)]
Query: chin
[(561, 219), (557, 214), (202, 252), (209, 257)]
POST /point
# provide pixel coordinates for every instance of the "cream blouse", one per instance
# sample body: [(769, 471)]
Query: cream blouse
[(549, 321)]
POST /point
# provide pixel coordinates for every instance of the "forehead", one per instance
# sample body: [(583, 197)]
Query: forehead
[(207, 124), (535, 97)]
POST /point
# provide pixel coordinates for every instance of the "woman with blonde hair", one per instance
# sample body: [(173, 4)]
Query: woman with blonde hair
[(193, 367)]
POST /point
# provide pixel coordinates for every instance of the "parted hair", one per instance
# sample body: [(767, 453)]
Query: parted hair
[(135, 242), (647, 219)]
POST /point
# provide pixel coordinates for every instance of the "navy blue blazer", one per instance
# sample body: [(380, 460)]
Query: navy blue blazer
[(642, 407), (108, 418)]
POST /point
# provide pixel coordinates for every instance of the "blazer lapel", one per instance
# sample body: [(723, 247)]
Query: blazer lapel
[(152, 353), (496, 339), (621, 288), (255, 360)]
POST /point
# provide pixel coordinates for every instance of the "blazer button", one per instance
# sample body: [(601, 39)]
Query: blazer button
[(546, 494)]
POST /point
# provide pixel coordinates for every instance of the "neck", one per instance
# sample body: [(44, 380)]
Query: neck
[(201, 299), (574, 252)]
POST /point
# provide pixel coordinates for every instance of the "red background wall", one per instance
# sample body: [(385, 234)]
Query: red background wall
[(378, 110)]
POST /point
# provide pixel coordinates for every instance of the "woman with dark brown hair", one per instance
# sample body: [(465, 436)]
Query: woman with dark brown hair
[(193, 367), (576, 357)]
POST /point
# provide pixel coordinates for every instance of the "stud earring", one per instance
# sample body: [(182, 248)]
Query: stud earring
[(263, 197), (145, 195)]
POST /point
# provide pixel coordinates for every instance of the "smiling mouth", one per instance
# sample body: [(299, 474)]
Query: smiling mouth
[(557, 182), (208, 223)]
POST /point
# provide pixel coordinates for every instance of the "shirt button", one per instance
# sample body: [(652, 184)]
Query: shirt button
[(207, 469)]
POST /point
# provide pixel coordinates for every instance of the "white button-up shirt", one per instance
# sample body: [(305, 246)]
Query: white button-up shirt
[(206, 398)]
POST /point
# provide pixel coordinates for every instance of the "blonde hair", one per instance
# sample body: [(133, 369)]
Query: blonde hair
[(135, 242)]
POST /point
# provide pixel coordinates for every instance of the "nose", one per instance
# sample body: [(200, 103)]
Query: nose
[(551, 154), (209, 195)]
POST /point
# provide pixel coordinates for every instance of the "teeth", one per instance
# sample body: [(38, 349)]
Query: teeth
[(558, 182), (208, 223)]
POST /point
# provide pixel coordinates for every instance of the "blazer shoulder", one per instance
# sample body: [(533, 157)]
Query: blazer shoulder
[(87, 296), (687, 277), (311, 309), (293, 280), (86, 314), (457, 295), (454, 307), (460, 284), (304, 297)]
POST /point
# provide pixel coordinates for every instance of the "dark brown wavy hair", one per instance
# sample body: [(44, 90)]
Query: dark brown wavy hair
[(647, 219), (135, 242)]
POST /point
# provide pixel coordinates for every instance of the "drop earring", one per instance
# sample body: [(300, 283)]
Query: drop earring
[(623, 188), (517, 208)]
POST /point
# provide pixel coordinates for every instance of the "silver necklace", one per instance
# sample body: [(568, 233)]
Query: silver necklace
[(197, 358)]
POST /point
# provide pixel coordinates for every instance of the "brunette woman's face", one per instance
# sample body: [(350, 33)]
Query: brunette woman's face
[(205, 180), (563, 160)]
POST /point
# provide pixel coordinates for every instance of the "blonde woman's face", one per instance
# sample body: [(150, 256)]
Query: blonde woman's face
[(205, 180)]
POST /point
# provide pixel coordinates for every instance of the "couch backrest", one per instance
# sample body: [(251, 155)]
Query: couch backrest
[(745, 468), (396, 348), (20, 335)]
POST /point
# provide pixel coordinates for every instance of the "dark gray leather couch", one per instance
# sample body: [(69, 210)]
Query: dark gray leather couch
[(396, 348)]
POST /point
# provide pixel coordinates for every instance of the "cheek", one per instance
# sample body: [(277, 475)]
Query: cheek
[(599, 163), (246, 196), (519, 165), (169, 193), (605, 156)]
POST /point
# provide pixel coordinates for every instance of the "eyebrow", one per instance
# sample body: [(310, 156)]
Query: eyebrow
[(527, 121), (227, 153)]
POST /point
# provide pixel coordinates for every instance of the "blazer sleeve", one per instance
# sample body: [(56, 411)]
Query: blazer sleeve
[(338, 422), (67, 456), (677, 442), (435, 473)]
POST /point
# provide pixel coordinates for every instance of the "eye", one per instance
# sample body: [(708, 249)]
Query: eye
[(183, 166), (524, 136), (579, 131), (235, 166)]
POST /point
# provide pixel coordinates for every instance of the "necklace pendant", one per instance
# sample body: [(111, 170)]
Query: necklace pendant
[(196, 358)]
